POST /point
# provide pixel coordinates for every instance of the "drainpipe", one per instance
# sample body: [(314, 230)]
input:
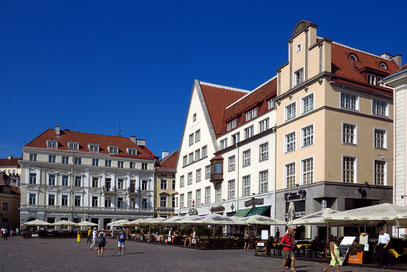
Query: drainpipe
[(275, 174), (237, 179)]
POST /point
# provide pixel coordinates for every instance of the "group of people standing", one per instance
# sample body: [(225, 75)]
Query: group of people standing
[(4, 233), (98, 240)]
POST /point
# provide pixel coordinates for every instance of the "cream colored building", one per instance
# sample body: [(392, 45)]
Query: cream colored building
[(334, 126)]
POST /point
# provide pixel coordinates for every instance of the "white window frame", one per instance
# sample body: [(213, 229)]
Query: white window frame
[(198, 197), (270, 103), (383, 101), (247, 131), (111, 148), (197, 135), (29, 197), (264, 125), (355, 136), (52, 143), (232, 181), (302, 102), (244, 187), (374, 77), (385, 172), (191, 139), (261, 152), (295, 76), (302, 170), (285, 174), (198, 175), (232, 166), (313, 135), (285, 111), (385, 138), (244, 163), (208, 195), (73, 145), (295, 142), (261, 183), (355, 178), (223, 143), (93, 148), (357, 102)]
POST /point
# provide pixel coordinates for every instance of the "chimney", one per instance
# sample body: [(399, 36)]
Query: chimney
[(141, 142), (133, 139), (386, 56), (58, 130), (164, 154), (10, 157), (397, 59)]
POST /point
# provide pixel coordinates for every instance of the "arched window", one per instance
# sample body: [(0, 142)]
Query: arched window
[(353, 57), (383, 65)]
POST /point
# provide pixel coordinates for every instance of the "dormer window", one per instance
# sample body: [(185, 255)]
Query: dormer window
[(93, 147), (270, 104), (132, 151), (353, 57), (52, 143), (371, 79), (251, 114), (383, 65), (232, 124), (73, 146), (113, 149)]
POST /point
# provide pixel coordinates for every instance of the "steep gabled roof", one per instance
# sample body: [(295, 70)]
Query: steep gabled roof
[(217, 98), (84, 139), (10, 162), (169, 163)]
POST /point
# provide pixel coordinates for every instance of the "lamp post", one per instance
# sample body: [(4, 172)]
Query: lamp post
[(232, 207)]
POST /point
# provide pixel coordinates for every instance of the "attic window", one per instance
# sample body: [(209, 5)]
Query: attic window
[(353, 57), (73, 146), (93, 147), (232, 124), (113, 149), (52, 143), (371, 79), (132, 151), (383, 65)]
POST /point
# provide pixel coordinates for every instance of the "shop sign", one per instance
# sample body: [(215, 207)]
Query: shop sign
[(356, 259), (301, 194)]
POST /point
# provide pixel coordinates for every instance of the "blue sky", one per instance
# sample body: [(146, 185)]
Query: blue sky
[(88, 65)]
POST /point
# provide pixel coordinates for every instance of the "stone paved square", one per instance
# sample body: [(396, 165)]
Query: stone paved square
[(68, 255)]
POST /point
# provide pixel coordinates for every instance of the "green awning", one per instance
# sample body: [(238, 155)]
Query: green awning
[(242, 213), (258, 210)]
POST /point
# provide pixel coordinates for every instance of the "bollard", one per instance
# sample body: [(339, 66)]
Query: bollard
[(78, 238)]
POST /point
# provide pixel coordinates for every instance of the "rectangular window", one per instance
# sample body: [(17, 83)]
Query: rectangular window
[(132, 151), (231, 125), (198, 197), (264, 181), (307, 171), (290, 111), (298, 77), (290, 142), (181, 201), (380, 172), (380, 140), (218, 168), (191, 158), (349, 134), (144, 166), (232, 164), (120, 183), (93, 148), (95, 182), (120, 164), (251, 114), (308, 103), (64, 200), (120, 202), (132, 165), (191, 139), (77, 201), (32, 200), (108, 163), (204, 152), (173, 184), (264, 152), (290, 175), (52, 158), (379, 108), (349, 101), (246, 158), (207, 172), (95, 162), (65, 160), (65, 181), (144, 203), (270, 104), (235, 138), (73, 146), (163, 201), (182, 181), (108, 183), (249, 132), (51, 200), (189, 200), (264, 125), (198, 175), (52, 143), (246, 186), (77, 160), (144, 185), (308, 136), (218, 193), (197, 135), (113, 149), (33, 157), (51, 180), (224, 143), (231, 189), (190, 178), (349, 169), (33, 178), (108, 202), (371, 79), (207, 195), (197, 155), (78, 181), (184, 160), (95, 200), (5, 206), (163, 184)]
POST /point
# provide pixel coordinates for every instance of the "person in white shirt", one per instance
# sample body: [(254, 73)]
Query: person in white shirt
[(94, 239), (382, 250)]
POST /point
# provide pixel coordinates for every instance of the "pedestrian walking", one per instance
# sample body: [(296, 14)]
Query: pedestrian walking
[(94, 238), (101, 244), (4, 233), (17, 231), (382, 251), (246, 239), (121, 239), (89, 240), (287, 253), (335, 255)]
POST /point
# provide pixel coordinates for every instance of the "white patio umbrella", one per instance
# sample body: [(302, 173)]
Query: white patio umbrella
[(175, 220), (258, 220), (134, 222), (317, 218), (64, 223), (118, 223), (151, 221), (217, 219), (36, 222), (87, 224), (192, 220)]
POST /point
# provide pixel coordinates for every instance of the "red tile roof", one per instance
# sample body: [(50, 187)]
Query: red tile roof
[(169, 163), (15, 189), (217, 98), (88, 138), (403, 67), (348, 69), (10, 162)]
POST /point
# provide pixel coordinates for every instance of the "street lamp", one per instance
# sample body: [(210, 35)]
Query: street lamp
[(232, 207)]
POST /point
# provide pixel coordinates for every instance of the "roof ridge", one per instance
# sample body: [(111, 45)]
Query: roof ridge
[(254, 90), (368, 53), (223, 87)]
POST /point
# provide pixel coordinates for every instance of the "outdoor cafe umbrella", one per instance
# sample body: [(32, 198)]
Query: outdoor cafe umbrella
[(258, 220), (36, 222), (134, 222), (64, 223), (217, 219), (151, 221), (118, 223), (87, 224), (175, 220), (317, 218)]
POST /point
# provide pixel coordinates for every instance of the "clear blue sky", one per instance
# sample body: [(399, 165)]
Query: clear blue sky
[(86, 65)]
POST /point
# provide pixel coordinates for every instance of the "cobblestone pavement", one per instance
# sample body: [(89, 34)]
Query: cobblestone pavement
[(68, 255)]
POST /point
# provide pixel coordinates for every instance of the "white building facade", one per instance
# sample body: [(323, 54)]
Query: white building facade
[(77, 176)]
